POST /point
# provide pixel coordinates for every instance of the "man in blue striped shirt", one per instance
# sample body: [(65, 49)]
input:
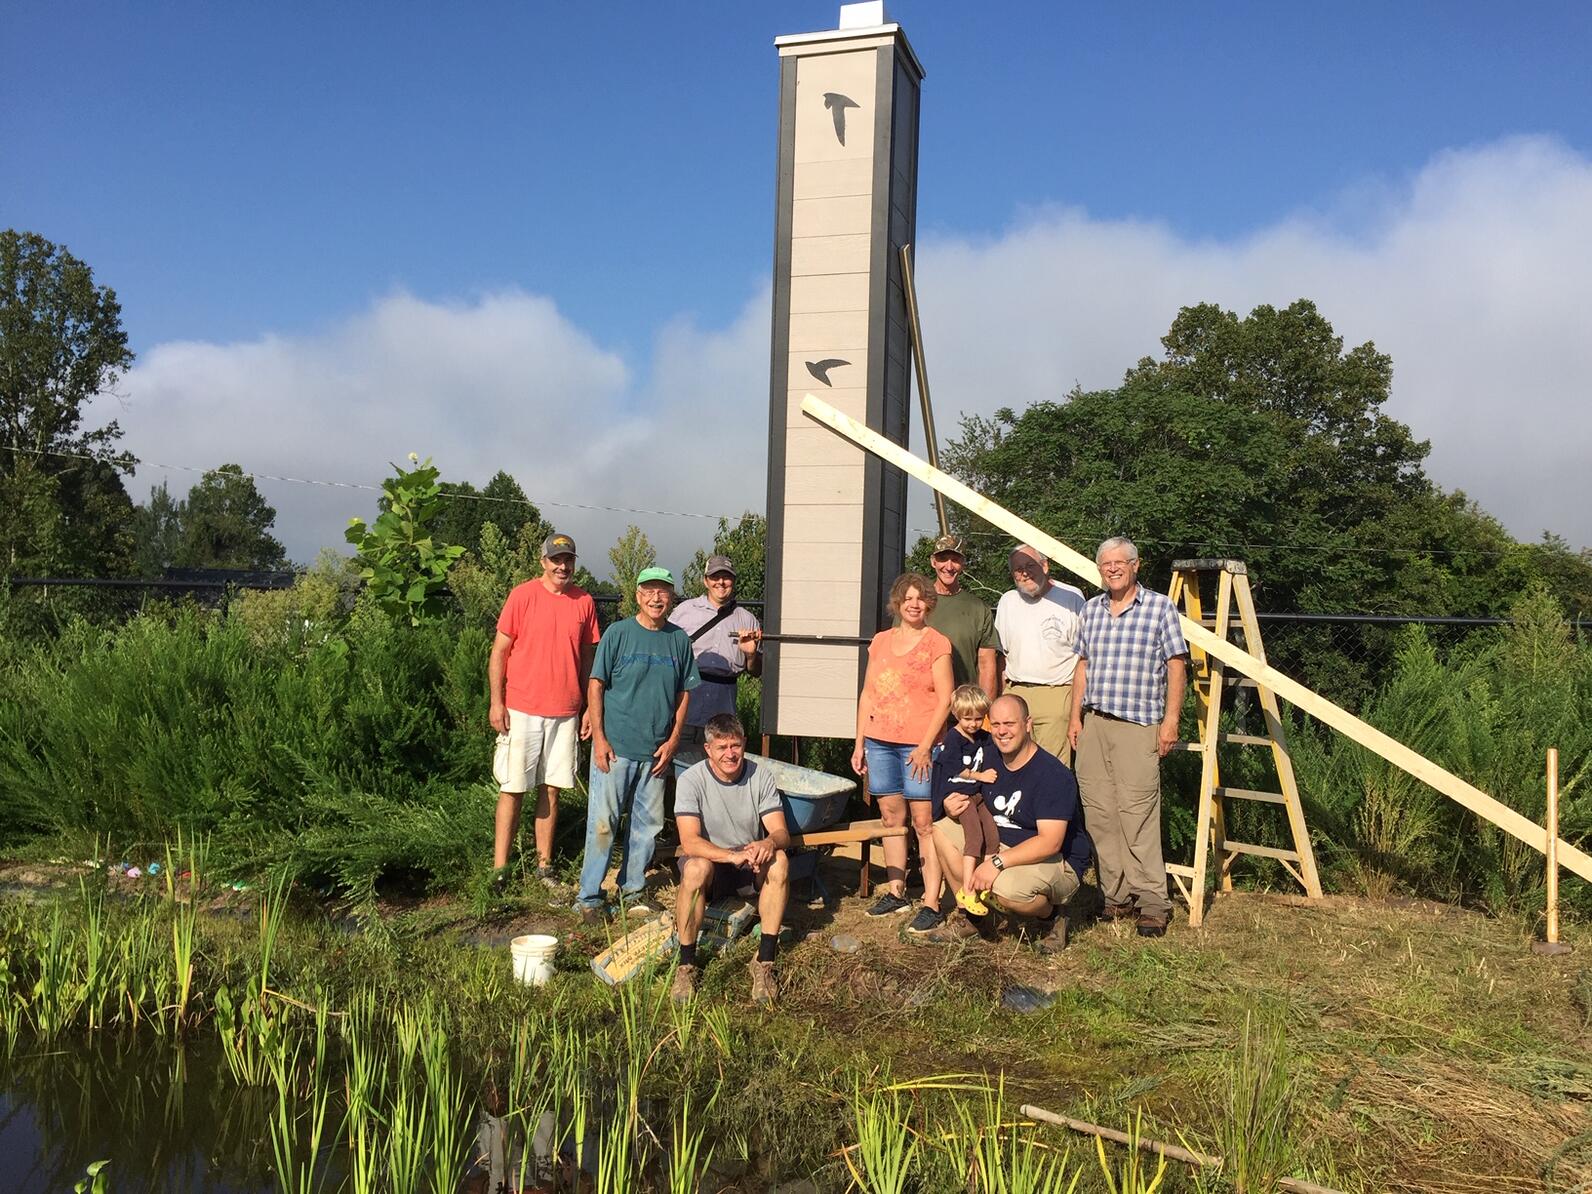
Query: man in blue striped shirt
[(1127, 693)]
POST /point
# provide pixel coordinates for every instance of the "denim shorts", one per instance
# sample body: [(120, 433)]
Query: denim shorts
[(889, 774)]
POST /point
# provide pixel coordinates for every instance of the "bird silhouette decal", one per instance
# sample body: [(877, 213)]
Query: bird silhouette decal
[(837, 105), (820, 369)]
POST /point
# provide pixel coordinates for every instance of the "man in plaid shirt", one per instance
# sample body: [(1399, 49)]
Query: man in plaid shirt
[(1127, 694)]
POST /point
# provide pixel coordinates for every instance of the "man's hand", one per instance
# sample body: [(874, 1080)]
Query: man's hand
[(602, 755), (665, 755), (499, 717), (585, 725), (1074, 728), (749, 641), (757, 854), (1166, 736), (957, 803), (921, 762), (859, 760), (983, 876)]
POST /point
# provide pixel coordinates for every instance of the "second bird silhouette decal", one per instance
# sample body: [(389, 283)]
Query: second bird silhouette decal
[(837, 105), (820, 369)]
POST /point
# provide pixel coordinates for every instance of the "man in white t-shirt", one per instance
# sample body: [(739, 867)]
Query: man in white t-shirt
[(1038, 622)]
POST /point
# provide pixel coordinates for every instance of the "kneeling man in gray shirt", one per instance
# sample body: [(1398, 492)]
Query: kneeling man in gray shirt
[(732, 834)]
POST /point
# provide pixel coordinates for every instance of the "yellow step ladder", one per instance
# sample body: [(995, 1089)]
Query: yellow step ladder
[(1234, 609)]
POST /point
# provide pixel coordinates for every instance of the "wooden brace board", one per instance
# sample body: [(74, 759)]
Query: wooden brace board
[(1313, 703)]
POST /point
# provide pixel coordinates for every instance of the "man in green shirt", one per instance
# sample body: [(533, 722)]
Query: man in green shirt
[(963, 618), (636, 702)]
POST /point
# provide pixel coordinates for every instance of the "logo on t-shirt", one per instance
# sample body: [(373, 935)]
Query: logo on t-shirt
[(1058, 631), (1005, 805), (970, 762)]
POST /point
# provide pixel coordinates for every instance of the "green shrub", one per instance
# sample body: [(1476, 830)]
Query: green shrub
[(1488, 713), (288, 748)]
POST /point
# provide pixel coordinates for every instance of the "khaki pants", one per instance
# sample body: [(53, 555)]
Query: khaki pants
[(1051, 878), (1050, 705), (1119, 781)]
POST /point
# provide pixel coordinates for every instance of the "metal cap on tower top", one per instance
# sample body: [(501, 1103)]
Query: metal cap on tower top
[(868, 15)]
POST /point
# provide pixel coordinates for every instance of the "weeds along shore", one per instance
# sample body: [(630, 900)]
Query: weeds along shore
[(1359, 1044), (370, 1064)]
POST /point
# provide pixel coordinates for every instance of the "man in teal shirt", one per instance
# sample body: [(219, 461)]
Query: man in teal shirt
[(640, 685)]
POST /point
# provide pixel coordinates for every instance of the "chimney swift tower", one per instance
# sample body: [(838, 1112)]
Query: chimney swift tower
[(847, 203)]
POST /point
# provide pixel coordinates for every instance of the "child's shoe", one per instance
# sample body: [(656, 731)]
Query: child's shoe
[(972, 903)]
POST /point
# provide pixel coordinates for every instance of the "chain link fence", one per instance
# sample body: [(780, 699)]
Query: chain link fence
[(1344, 656)]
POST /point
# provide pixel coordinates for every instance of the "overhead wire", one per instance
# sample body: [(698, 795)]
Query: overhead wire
[(470, 497)]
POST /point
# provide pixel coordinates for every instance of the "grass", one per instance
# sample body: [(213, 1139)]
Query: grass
[(1368, 1046)]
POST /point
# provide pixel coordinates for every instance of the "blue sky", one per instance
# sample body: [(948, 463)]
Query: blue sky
[(243, 174)]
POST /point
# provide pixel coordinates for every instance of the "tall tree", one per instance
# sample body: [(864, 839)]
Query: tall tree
[(466, 509), (1259, 438), (65, 509), (632, 553), (158, 531), (226, 523)]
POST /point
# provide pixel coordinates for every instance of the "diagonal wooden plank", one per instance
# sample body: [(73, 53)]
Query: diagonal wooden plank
[(1468, 795)]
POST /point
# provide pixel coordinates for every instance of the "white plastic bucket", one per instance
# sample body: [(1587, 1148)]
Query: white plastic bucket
[(533, 958)]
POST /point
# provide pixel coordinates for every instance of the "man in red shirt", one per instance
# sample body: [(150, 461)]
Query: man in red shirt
[(541, 659)]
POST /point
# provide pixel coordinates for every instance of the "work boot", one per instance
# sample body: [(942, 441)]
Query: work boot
[(1153, 924), (764, 988), (1051, 935), (685, 980), (1115, 912), (593, 917), (958, 927)]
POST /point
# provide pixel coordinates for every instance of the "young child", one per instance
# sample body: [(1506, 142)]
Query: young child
[(962, 764)]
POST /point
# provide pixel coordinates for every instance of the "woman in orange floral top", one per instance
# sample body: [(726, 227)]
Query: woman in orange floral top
[(900, 717)]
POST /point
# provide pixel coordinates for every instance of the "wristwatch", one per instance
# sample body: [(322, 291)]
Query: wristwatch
[(996, 862)]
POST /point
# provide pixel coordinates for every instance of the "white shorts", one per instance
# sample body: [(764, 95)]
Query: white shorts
[(536, 751)]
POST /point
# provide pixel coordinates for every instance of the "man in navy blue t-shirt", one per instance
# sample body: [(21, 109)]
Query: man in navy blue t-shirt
[(1044, 847)]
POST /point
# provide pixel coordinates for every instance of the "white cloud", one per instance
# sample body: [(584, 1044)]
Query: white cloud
[(1471, 274)]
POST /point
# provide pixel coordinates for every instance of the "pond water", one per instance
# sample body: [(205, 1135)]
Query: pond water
[(168, 1117)]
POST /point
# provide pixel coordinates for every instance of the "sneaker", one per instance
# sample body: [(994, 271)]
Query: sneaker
[(764, 988), (683, 989), (1153, 924), (1051, 935), (972, 903), (1117, 911), (927, 920), (889, 904), (544, 872)]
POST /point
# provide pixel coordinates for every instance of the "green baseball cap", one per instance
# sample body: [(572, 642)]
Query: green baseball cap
[(651, 574)]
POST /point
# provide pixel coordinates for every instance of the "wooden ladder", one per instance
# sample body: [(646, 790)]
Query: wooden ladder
[(1210, 682)]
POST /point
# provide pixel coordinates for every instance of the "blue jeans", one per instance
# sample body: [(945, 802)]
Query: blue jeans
[(625, 787), (889, 773)]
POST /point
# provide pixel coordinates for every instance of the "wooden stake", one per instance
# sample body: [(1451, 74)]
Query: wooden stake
[(909, 289), (1553, 845), (1289, 689), (1170, 1151)]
